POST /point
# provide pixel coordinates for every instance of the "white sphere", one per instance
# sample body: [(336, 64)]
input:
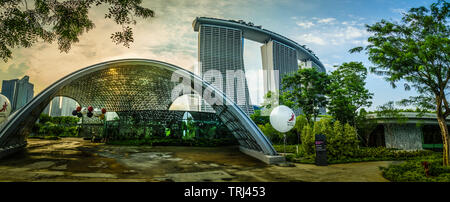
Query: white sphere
[(5, 108), (282, 118), (97, 112), (84, 111)]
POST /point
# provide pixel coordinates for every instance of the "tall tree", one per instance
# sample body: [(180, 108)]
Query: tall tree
[(305, 89), (347, 92), (416, 50), (25, 22)]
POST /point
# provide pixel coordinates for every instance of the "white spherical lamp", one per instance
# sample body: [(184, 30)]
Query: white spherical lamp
[(84, 110), (282, 118), (97, 112), (5, 108)]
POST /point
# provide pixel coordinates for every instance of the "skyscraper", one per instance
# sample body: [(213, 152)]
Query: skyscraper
[(19, 92), (55, 107), (278, 60), (60, 106), (67, 106), (221, 49)]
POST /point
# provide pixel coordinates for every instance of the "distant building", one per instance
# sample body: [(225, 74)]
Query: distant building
[(19, 92), (60, 106), (221, 49), (415, 132), (67, 106), (55, 107)]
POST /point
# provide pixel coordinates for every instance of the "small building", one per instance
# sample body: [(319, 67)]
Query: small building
[(412, 131)]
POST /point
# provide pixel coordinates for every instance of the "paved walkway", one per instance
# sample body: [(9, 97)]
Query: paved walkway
[(73, 159)]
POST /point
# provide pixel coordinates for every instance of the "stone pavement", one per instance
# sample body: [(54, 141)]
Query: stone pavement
[(74, 159)]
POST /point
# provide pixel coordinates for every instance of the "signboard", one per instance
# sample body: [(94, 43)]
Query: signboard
[(321, 150)]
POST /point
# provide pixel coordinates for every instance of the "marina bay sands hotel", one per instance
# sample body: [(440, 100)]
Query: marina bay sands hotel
[(220, 45)]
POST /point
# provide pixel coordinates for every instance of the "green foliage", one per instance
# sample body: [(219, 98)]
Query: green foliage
[(364, 154), (271, 133), (190, 129), (305, 89), (289, 148), (347, 92), (56, 126), (364, 126), (259, 119), (415, 51), (342, 140), (300, 122), (292, 137), (308, 137), (24, 24), (414, 171)]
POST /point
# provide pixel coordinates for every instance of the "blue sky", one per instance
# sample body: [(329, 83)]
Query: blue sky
[(328, 27)]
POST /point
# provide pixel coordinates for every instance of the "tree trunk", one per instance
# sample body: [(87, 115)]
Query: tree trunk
[(445, 138)]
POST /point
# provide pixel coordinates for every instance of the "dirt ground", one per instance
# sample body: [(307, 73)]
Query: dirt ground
[(75, 159)]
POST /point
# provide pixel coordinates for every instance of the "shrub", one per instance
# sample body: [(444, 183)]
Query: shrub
[(342, 141), (413, 170), (56, 126)]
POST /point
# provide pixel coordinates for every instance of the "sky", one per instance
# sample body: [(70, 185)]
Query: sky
[(328, 27)]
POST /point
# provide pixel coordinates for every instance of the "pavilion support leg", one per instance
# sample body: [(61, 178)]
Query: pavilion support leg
[(268, 159)]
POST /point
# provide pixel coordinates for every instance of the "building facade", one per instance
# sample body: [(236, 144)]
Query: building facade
[(221, 51), (19, 92), (412, 131), (278, 60), (221, 48)]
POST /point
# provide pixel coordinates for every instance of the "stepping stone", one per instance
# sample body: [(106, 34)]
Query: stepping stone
[(61, 167), (40, 165), (94, 175)]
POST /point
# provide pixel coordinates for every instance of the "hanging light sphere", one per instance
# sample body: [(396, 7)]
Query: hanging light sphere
[(282, 119), (90, 108), (78, 108), (90, 114), (84, 110), (97, 112), (80, 114), (103, 110), (74, 112)]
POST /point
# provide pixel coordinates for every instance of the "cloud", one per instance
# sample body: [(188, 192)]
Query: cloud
[(167, 37), (398, 10), (305, 24), (311, 38), (13, 71), (330, 31), (326, 20)]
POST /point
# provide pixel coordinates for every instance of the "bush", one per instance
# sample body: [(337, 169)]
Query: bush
[(56, 126), (342, 141), (414, 171)]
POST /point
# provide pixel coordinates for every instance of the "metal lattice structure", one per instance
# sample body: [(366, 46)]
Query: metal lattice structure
[(131, 85)]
